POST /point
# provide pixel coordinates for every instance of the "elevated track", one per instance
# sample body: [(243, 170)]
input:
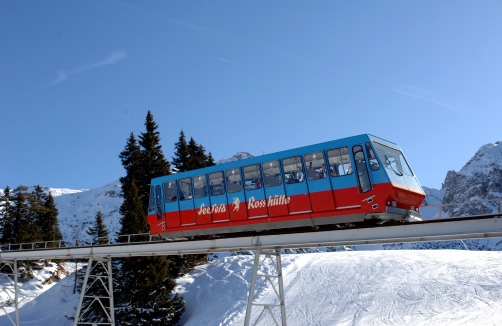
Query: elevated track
[(483, 226)]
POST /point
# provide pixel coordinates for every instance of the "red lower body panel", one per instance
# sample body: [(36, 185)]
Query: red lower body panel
[(258, 214)]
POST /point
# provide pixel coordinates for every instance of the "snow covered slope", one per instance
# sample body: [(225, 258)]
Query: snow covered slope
[(43, 302), (440, 287), (484, 161), (78, 210), (356, 288)]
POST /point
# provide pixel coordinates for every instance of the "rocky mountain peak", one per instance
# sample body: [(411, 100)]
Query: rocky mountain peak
[(479, 179), (484, 161)]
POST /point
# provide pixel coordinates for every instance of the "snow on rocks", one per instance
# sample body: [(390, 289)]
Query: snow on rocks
[(485, 159), (237, 157)]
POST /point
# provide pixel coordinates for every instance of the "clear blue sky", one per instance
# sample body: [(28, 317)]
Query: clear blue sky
[(76, 77)]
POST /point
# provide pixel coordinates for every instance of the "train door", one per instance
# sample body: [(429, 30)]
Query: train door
[(171, 208), (235, 195), (361, 169), (321, 196), (217, 197), (201, 200), (343, 180), (297, 194), (156, 216), (255, 194), (274, 189), (185, 195)]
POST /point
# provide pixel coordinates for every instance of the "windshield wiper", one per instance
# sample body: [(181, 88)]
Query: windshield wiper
[(396, 170)]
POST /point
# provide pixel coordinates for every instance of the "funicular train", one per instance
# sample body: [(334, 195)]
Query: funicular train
[(350, 180)]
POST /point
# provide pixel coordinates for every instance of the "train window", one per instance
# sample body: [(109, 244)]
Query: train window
[(234, 180), (393, 158), (362, 170), (293, 170), (272, 173), (216, 184), (315, 166), (200, 186), (185, 188), (158, 196), (151, 203), (170, 191), (252, 177), (339, 161), (374, 165)]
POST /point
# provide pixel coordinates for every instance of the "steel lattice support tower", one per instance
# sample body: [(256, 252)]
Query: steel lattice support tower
[(277, 287), (8, 277), (96, 299)]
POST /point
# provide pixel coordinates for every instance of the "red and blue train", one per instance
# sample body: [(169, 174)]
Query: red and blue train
[(343, 181)]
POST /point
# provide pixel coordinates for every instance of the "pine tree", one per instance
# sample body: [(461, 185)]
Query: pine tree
[(133, 219), (98, 232), (131, 161), (210, 160), (6, 208), (153, 163), (20, 216), (36, 214), (181, 154), (145, 285), (50, 224), (29, 217), (194, 159)]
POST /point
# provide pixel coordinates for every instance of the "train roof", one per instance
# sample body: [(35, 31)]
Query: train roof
[(279, 155)]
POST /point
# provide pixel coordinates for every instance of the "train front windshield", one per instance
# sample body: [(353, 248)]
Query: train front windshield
[(393, 159), (397, 168)]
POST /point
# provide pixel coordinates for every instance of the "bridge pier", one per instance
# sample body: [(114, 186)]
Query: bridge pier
[(8, 271), (267, 277), (96, 298)]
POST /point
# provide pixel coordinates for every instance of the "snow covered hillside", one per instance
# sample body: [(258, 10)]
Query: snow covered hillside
[(436, 287), (42, 299), (355, 288), (77, 211)]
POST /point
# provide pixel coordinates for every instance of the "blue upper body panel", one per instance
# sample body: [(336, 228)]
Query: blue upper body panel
[(350, 141)]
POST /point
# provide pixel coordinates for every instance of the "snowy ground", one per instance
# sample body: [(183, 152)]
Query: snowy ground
[(426, 287), (445, 287), (44, 304)]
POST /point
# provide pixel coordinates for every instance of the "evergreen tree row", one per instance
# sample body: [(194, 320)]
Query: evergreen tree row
[(190, 156), (29, 217)]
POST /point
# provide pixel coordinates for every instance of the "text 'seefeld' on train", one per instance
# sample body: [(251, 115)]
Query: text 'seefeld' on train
[(346, 181)]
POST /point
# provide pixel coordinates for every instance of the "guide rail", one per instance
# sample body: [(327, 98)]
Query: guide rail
[(485, 226)]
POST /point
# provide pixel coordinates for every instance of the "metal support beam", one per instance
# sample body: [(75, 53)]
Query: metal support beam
[(8, 286), (267, 277), (96, 299)]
